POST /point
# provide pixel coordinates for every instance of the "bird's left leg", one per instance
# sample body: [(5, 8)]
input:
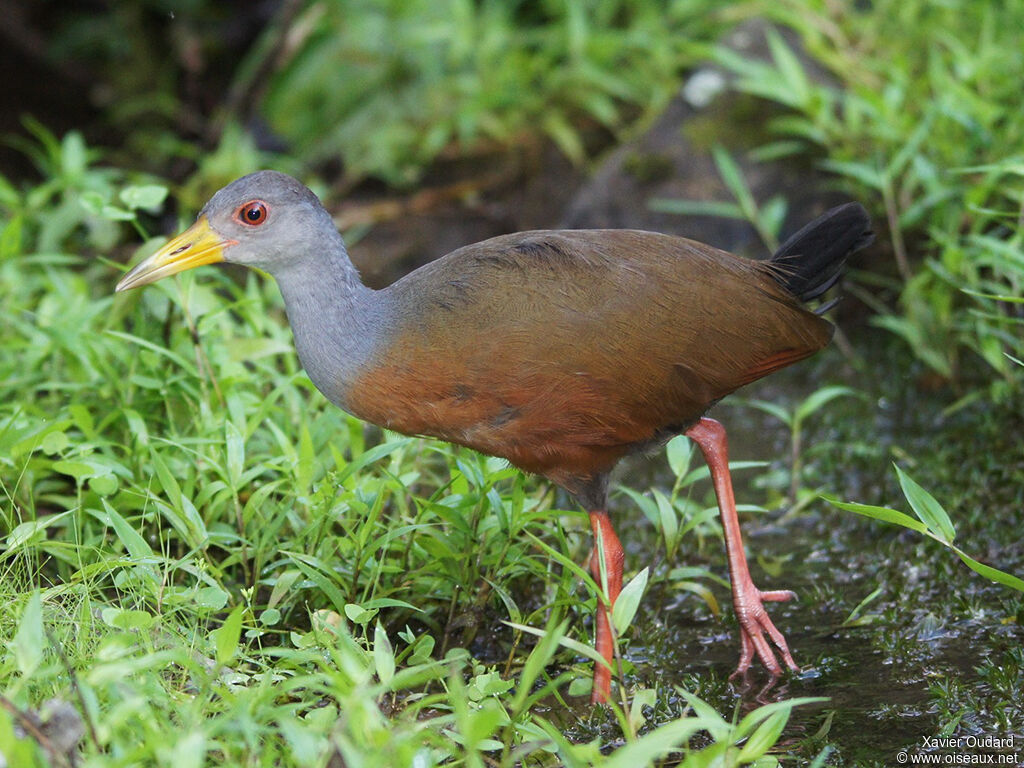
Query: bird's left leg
[(607, 549), (746, 598)]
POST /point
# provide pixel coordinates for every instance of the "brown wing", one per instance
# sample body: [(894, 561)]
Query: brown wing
[(564, 350)]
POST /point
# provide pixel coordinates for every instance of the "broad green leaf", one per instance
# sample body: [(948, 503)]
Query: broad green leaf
[(28, 532), (133, 542), (282, 585), (701, 591), (989, 572), (867, 175), (713, 722), (669, 523), (647, 505), (645, 697), (656, 744), (359, 615), (235, 450), (383, 655), (771, 409), (188, 751), (29, 639), (211, 598), (15, 748), (880, 513), (679, 451), (927, 508), (764, 737), (790, 68), (147, 196), (127, 618), (628, 601), (225, 637)]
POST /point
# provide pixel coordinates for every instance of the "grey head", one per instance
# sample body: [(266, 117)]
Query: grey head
[(273, 219), (266, 220)]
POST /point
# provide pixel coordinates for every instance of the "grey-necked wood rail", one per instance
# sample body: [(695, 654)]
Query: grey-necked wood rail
[(561, 351)]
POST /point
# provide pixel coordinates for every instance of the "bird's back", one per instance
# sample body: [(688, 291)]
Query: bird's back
[(564, 350)]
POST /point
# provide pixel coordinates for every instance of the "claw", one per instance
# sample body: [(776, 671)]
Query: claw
[(754, 624)]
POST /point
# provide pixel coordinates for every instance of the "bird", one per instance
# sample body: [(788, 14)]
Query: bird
[(561, 351)]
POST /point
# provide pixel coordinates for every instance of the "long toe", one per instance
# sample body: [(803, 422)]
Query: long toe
[(756, 629)]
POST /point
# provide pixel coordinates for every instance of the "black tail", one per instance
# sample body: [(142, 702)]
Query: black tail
[(812, 260)]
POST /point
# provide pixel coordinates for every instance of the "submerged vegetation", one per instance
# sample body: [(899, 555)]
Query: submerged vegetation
[(204, 563)]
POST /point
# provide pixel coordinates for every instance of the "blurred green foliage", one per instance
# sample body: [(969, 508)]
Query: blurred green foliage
[(387, 86)]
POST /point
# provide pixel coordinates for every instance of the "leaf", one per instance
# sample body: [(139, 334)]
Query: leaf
[(359, 615), (645, 697), (880, 513), (29, 641), (74, 156), (771, 409), (679, 451), (651, 746), (537, 661), (628, 601), (763, 738), (235, 450), (854, 619), (733, 178), (225, 637), (565, 137), (27, 532), (790, 68), (669, 521), (133, 542), (713, 722), (147, 196), (927, 508), (703, 592), (92, 202), (383, 655), (751, 719), (818, 399), (210, 598), (989, 572), (572, 645), (865, 174)]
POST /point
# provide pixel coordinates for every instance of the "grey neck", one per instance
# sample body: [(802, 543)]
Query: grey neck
[(337, 321)]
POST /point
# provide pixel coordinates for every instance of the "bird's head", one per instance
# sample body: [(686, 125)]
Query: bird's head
[(266, 220)]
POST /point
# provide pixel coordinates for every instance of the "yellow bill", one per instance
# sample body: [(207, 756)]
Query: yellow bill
[(196, 246)]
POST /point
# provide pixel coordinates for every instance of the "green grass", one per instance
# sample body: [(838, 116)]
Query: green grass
[(211, 564), (923, 125), (205, 563)]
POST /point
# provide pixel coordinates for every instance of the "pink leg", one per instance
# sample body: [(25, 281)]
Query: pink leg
[(613, 559), (746, 598)]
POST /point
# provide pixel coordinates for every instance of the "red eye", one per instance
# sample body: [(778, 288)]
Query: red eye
[(253, 213)]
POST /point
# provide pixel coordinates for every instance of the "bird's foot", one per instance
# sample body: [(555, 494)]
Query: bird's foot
[(755, 624)]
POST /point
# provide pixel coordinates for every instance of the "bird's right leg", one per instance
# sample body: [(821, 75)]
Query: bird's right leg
[(606, 543), (747, 599)]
